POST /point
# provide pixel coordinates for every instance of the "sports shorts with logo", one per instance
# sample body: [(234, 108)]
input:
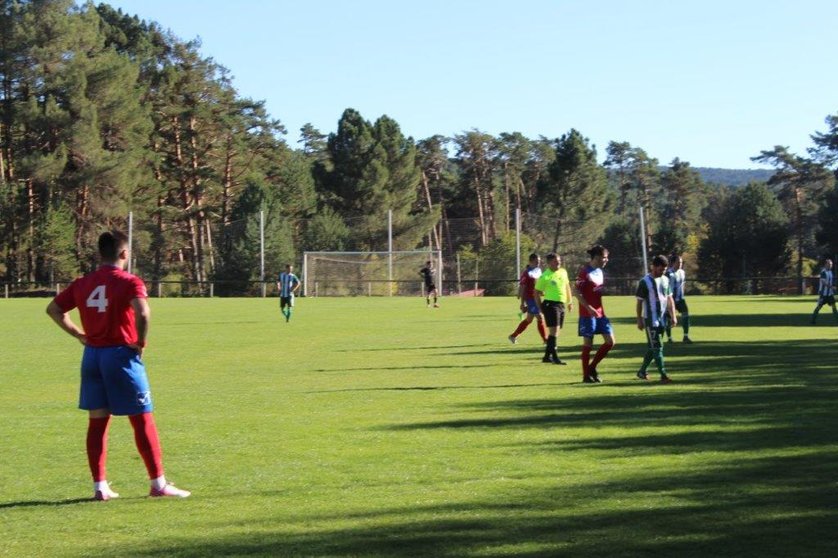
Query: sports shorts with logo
[(590, 326), (114, 378), (654, 335)]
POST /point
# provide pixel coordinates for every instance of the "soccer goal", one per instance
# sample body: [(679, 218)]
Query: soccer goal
[(368, 273)]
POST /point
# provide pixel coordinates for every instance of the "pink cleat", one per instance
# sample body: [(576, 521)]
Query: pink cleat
[(169, 490)]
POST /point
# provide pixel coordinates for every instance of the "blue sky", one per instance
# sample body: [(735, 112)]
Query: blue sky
[(712, 82)]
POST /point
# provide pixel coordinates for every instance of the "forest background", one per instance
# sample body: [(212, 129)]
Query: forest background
[(102, 114)]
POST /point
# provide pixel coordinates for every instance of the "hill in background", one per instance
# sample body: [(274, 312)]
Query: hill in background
[(733, 177)]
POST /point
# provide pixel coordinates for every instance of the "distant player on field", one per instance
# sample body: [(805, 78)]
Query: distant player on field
[(526, 294), (677, 279), (826, 290), (654, 299), (115, 317), (427, 274), (552, 294), (287, 284), (592, 318)]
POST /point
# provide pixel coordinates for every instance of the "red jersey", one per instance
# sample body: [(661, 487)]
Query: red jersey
[(589, 282), (528, 279), (104, 302)]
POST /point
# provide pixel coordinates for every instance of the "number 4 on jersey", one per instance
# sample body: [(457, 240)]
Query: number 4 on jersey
[(97, 299)]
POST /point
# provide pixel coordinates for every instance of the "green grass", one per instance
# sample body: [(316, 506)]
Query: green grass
[(378, 427)]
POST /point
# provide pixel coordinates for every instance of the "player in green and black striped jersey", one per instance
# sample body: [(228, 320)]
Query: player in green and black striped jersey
[(826, 290), (654, 301)]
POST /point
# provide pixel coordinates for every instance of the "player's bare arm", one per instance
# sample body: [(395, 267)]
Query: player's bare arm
[(142, 317), (537, 294), (670, 307), (65, 322), (639, 311)]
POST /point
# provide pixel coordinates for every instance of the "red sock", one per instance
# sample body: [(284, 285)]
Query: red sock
[(521, 327), (586, 355), (97, 447), (542, 331), (600, 354), (148, 443)]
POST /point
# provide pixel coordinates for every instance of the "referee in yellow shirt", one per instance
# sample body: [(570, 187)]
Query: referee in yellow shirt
[(552, 294)]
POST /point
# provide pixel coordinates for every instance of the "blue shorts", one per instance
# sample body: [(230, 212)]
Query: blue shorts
[(114, 378), (589, 326), (532, 307)]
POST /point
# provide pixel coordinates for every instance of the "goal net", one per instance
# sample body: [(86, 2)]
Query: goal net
[(368, 273)]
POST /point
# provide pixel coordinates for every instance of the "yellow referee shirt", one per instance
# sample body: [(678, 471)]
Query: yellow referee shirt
[(554, 285)]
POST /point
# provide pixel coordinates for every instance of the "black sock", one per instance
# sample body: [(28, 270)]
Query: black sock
[(550, 350)]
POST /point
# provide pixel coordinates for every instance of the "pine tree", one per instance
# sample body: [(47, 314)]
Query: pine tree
[(575, 192), (800, 184)]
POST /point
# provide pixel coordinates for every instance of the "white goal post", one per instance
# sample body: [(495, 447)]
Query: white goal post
[(368, 273)]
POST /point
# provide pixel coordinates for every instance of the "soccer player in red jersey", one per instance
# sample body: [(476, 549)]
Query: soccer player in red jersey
[(115, 318), (592, 319), (526, 292)]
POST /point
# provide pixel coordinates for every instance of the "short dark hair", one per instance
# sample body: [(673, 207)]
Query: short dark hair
[(551, 256), (597, 250), (533, 256), (660, 260), (111, 244)]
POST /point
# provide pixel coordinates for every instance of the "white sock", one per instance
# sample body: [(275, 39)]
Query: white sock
[(159, 483), (102, 486)]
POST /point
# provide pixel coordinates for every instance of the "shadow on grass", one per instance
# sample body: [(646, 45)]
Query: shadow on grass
[(763, 416), (433, 388), (742, 510), (47, 503), (738, 320)]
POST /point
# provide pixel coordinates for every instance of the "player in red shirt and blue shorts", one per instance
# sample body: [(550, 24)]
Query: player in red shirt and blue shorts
[(115, 316), (526, 293), (592, 318)]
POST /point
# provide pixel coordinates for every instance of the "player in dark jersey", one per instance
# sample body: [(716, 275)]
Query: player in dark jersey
[(427, 274), (826, 290), (526, 293), (677, 280), (654, 301), (287, 284), (115, 318), (592, 318)]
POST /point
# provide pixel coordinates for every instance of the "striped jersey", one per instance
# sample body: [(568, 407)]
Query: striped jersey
[(654, 293), (827, 286), (287, 282), (677, 279)]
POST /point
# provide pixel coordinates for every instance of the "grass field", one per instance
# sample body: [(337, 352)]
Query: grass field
[(378, 427)]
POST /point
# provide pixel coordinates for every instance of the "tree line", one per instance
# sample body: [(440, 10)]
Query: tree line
[(102, 113)]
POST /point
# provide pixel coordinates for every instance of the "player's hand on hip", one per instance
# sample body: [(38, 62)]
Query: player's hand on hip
[(138, 349)]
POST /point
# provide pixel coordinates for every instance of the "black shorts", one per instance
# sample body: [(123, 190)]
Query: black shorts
[(429, 287), (286, 301), (828, 300), (681, 306), (553, 313)]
